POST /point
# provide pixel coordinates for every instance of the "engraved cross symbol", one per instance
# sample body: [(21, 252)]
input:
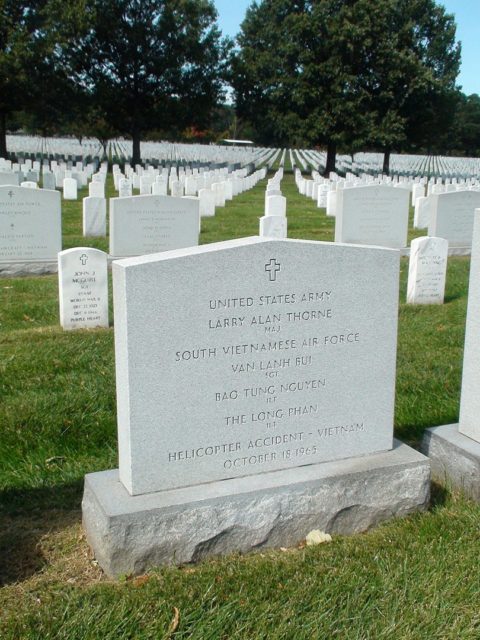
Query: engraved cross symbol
[(272, 268), (10, 193), (83, 259)]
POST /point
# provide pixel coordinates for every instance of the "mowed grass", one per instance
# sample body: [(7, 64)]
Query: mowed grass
[(409, 579)]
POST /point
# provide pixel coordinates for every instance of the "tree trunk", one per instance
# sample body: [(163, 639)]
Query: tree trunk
[(136, 157), (386, 162), (331, 158), (3, 135)]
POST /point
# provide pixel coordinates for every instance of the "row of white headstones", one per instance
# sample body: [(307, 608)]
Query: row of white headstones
[(368, 210)]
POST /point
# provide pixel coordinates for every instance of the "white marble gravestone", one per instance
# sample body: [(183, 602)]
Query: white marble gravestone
[(273, 226), (423, 210), (48, 180), (275, 206), (149, 224), (255, 396), (427, 270), (70, 189), (274, 325), (454, 449), (96, 189), (452, 216), (176, 189), (94, 216), (470, 398), (375, 215), (30, 224), (8, 178), (124, 188), (207, 202), (83, 288)]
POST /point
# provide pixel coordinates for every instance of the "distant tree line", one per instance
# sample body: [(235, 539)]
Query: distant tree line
[(343, 75)]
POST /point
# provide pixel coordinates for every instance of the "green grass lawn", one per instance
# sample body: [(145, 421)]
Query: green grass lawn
[(409, 579)]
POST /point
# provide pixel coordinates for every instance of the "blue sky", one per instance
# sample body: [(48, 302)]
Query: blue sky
[(467, 17)]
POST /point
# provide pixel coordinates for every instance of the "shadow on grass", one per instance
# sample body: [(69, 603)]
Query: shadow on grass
[(452, 297), (26, 516), (438, 495)]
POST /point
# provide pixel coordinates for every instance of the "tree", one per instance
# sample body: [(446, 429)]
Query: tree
[(144, 62), (342, 72), (467, 125), (299, 72), (18, 21), (414, 64)]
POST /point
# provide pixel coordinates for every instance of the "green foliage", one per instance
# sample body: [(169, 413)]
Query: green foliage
[(340, 73), (143, 62)]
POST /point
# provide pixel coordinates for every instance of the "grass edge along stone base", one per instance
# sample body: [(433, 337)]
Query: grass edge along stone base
[(131, 534), (454, 458)]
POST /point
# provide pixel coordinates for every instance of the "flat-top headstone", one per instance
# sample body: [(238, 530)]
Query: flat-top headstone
[(376, 215), (124, 188), (275, 206), (83, 288), (221, 375), (452, 216), (427, 270), (70, 189), (273, 227), (96, 190), (149, 224), (207, 202), (423, 211), (469, 422), (94, 216), (48, 180), (30, 224)]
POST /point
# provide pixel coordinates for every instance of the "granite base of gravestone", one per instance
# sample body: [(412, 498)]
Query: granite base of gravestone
[(251, 409), (454, 450)]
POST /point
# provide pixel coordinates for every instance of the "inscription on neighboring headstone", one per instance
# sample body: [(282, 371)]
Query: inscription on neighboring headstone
[(149, 224), (252, 355), (427, 270), (30, 224), (376, 215), (83, 288)]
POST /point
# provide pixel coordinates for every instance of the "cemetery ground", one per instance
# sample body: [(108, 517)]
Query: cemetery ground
[(408, 579)]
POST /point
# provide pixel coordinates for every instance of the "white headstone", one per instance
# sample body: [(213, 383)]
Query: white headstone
[(452, 217), (469, 423), (48, 180), (273, 227), (292, 363), (70, 189), (423, 211), (8, 178), (94, 216), (427, 270), (96, 189), (207, 202), (176, 189), (124, 188), (149, 224), (376, 215), (30, 224), (276, 206), (83, 288)]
